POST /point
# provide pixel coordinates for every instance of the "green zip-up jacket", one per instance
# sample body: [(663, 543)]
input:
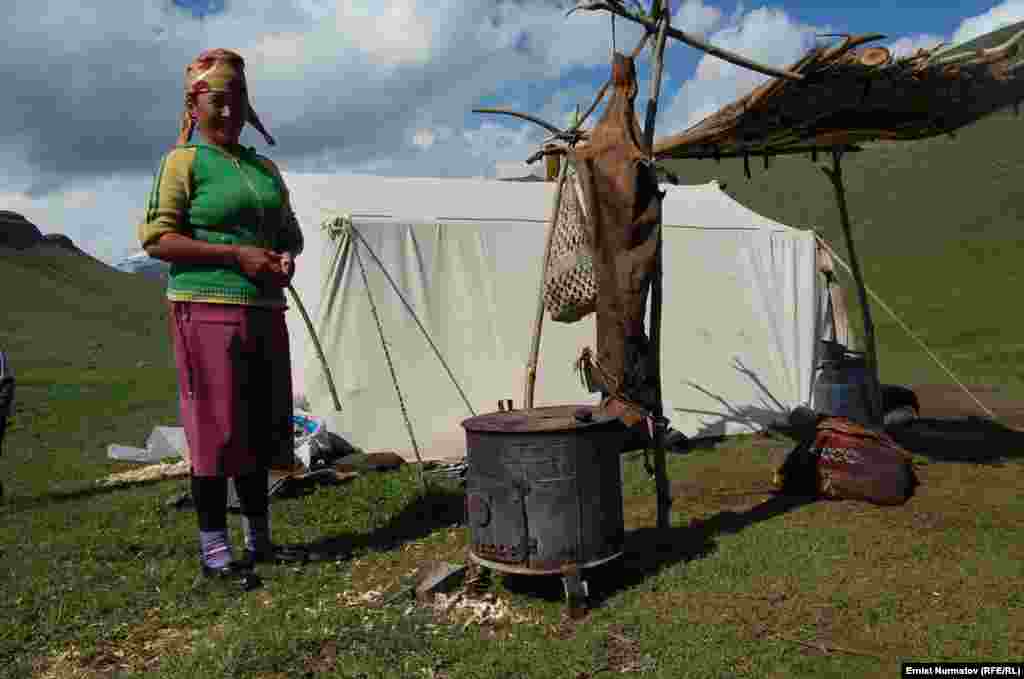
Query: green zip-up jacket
[(225, 196)]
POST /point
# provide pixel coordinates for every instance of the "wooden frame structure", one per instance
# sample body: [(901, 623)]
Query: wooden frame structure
[(831, 100)]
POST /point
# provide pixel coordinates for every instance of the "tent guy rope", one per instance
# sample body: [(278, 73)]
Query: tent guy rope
[(343, 224), (391, 366)]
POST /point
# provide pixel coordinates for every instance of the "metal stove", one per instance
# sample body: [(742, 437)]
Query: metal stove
[(544, 491)]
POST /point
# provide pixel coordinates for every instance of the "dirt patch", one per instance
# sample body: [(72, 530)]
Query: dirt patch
[(325, 659), (949, 401), (141, 652), (459, 607), (487, 610), (624, 654), (381, 571), (566, 628)]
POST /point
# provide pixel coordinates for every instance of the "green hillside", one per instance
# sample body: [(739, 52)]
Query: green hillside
[(91, 351), (72, 310), (937, 225)]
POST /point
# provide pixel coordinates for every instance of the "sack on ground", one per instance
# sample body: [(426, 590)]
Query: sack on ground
[(856, 463), (846, 461)]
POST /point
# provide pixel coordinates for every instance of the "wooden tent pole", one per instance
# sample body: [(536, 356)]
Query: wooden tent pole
[(664, 491), (538, 320), (874, 388), (316, 345)]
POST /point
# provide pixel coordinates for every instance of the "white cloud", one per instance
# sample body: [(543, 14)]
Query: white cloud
[(1008, 12), (383, 86), (693, 16), (424, 138), (907, 46), (391, 32), (768, 36)]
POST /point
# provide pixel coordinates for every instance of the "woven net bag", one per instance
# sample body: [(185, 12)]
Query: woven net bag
[(570, 286)]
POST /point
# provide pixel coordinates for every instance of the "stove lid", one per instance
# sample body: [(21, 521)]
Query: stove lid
[(547, 419)]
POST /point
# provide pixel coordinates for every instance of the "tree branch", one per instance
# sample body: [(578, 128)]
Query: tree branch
[(597, 100), (662, 487), (835, 175), (659, 64), (525, 116), (691, 40), (641, 45)]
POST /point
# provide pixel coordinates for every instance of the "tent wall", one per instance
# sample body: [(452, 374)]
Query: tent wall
[(742, 309)]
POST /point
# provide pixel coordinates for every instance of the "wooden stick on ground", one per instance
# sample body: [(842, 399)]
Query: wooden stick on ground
[(662, 487), (825, 648), (874, 388)]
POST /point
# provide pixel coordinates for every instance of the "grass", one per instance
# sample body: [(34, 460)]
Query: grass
[(102, 582)]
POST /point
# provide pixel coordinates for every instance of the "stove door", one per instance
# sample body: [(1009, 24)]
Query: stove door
[(553, 518), (497, 521)]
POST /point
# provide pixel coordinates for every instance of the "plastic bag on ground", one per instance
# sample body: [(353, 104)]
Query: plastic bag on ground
[(162, 443)]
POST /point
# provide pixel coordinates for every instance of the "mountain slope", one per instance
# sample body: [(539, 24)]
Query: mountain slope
[(63, 309)]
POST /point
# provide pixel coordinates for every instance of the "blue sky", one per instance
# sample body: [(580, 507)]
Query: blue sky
[(370, 86)]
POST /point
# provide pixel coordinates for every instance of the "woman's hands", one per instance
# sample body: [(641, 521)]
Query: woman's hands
[(266, 265), (259, 264)]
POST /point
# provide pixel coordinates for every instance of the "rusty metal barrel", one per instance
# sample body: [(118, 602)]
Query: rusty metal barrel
[(544, 489)]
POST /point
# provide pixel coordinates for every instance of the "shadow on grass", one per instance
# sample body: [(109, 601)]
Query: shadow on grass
[(440, 507), (19, 503), (648, 551), (970, 439)]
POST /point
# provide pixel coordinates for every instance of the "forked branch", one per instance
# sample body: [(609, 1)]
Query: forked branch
[(525, 116), (651, 25), (572, 135)]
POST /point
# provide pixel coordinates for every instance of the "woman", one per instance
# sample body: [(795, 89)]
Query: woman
[(219, 214)]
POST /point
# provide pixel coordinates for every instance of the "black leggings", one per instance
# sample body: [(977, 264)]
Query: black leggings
[(210, 494)]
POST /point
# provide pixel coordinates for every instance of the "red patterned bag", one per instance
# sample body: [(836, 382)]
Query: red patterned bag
[(856, 463)]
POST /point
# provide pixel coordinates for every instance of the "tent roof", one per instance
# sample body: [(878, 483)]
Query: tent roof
[(430, 199)]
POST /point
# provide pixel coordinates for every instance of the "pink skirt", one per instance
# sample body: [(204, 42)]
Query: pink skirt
[(234, 386)]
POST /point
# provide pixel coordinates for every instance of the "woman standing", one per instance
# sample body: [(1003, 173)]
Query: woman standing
[(219, 214)]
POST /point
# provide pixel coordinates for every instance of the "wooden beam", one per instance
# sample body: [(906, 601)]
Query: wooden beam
[(662, 487), (874, 388), (693, 41), (538, 319), (791, 151)]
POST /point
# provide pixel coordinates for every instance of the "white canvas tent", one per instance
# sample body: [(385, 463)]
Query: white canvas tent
[(742, 315)]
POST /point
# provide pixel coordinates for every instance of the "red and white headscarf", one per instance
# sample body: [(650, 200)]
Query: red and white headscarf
[(217, 70)]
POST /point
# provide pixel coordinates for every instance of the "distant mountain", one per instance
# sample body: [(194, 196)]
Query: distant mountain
[(142, 263), (17, 232)]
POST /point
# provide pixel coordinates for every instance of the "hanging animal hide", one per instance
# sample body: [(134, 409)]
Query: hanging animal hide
[(620, 188)]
